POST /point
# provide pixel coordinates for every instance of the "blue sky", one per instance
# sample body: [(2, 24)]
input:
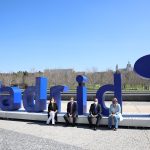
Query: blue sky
[(78, 34)]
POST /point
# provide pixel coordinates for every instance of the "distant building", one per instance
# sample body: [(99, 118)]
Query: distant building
[(128, 68), (81, 73), (61, 70)]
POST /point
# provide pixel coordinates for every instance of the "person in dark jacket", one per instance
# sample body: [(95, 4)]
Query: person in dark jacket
[(71, 112), (94, 112), (52, 112)]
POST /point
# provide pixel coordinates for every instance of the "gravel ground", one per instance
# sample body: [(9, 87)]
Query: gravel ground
[(10, 140), (36, 135)]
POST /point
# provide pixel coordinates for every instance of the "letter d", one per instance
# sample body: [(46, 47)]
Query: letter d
[(34, 97), (109, 87)]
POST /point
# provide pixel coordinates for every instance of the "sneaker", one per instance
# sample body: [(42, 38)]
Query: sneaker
[(95, 128), (115, 129), (66, 125)]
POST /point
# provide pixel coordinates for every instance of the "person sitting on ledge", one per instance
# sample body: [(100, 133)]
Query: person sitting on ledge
[(52, 112), (94, 112), (114, 114), (71, 112)]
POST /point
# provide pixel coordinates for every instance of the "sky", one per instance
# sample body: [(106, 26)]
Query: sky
[(77, 34)]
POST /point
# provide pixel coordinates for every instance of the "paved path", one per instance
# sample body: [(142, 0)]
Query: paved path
[(128, 107), (16, 135)]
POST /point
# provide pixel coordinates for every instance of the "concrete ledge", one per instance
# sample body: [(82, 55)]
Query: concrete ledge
[(130, 120)]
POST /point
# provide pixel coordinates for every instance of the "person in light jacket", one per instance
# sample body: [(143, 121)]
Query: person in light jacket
[(114, 114)]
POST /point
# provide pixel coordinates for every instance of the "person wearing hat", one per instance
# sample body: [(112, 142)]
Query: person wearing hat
[(114, 114)]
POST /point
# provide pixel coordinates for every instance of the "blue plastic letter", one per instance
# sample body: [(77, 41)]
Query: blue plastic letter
[(109, 87), (10, 98), (81, 94), (34, 97), (55, 92)]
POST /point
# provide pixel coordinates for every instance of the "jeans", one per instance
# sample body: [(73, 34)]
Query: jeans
[(114, 118), (52, 117)]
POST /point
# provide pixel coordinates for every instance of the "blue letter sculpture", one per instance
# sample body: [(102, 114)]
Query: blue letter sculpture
[(35, 97), (10, 98), (0, 84), (55, 92), (109, 87), (142, 67), (81, 94)]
